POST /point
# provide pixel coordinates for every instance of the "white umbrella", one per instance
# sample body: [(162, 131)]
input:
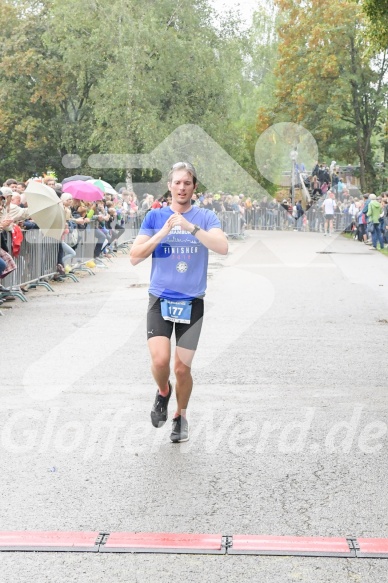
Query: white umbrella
[(45, 210)]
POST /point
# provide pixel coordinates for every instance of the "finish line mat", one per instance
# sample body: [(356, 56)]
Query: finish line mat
[(185, 543)]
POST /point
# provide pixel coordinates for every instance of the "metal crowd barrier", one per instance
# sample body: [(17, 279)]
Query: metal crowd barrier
[(232, 223), (316, 221), (131, 227), (37, 259), (268, 219), (281, 220), (86, 244)]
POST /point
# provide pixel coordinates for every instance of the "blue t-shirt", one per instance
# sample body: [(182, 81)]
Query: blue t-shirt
[(179, 262)]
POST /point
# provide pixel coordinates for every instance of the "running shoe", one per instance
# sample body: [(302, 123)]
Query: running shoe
[(180, 430), (159, 411)]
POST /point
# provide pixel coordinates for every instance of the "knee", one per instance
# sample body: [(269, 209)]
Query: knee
[(181, 371), (160, 362)]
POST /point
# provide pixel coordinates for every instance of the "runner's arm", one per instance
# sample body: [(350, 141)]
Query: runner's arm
[(143, 247), (214, 239)]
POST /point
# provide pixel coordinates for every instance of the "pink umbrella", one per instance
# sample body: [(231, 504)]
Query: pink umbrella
[(83, 190)]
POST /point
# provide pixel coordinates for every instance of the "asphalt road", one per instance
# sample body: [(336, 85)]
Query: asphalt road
[(288, 416)]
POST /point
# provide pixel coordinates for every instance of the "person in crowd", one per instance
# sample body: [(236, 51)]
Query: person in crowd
[(147, 202), (120, 214), (321, 173), (15, 211), (248, 212), (340, 189), (316, 188), (366, 218), (218, 206), (66, 252), (349, 175), (375, 212), (238, 206), (133, 203), (50, 181), (361, 220), (7, 264), (326, 175), (125, 201), (334, 184), (384, 204), (133, 200), (228, 203), (352, 209), (207, 202), (329, 206), (195, 200), (20, 187), (115, 230), (299, 215), (158, 203), (12, 184)]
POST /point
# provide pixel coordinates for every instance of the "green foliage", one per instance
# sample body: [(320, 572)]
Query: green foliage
[(377, 12), (120, 75), (330, 80)]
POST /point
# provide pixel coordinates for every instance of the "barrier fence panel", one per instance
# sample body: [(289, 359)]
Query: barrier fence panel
[(131, 227), (86, 244), (38, 257), (232, 223), (316, 221), (49, 255), (269, 219)]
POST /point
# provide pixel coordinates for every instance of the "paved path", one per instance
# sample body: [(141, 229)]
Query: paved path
[(288, 415)]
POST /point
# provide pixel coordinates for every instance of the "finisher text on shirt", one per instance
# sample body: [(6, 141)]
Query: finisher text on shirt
[(172, 250)]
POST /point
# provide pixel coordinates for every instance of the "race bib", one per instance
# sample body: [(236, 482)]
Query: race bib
[(176, 310)]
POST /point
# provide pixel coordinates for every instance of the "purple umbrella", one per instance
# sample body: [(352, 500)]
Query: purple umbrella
[(83, 191)]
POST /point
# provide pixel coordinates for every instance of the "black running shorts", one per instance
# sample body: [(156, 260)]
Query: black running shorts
[(186, 335), (329, 217)]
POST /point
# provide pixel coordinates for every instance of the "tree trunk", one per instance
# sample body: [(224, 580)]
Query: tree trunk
[(128, 180), (357, 117)]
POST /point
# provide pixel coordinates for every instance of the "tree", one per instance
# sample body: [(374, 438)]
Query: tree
[(24, 119), (329, 79), (45, 110), (118, 76), (377, 12)]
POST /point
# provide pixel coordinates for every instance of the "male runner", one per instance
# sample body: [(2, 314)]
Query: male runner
[(178, 237), (329, 207)]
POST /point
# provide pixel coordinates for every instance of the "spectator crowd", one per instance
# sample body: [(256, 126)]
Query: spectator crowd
[(333, 203)]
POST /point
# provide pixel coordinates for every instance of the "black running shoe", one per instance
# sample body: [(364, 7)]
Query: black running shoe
[(159, 411), (180, 430)]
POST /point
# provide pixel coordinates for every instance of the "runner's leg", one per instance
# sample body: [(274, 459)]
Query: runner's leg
[(160, 351), (184, 380)]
